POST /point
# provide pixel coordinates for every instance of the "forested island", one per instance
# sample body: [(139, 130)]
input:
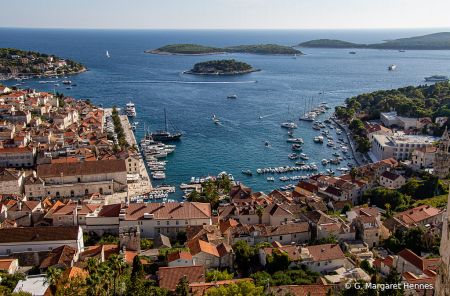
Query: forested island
[(195, 49), (431, 41), (17, 62), (221, 67), (420, 101)]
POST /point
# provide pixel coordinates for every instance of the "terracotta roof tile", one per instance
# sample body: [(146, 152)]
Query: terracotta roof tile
[(286, 229), (388, 261), (38, 234), (196, 246), (179, 255), (6, 263), (202, 288), (325, 252), (170, 276), (81, 168), (62, 255)]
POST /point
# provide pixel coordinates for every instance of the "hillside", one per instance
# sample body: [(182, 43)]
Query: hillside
[(195, 49), (431, 41)]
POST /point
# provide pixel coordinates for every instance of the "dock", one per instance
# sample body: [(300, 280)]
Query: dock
[(164, 188), (196, 187)]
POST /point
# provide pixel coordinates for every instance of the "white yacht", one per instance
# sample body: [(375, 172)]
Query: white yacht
[(303, 156), (297, 140), (232, 96), (158, 175), (437, 78), (107, 54), (131, 111), (289, 124)]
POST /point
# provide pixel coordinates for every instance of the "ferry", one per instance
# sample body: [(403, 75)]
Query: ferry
[(437, 78), (131, 111)]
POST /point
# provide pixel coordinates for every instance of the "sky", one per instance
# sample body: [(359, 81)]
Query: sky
[(225, 14)]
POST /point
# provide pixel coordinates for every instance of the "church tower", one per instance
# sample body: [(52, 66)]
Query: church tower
[(442, 157), (442, 286)]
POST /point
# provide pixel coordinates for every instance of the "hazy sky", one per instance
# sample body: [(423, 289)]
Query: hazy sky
[(225, 14)]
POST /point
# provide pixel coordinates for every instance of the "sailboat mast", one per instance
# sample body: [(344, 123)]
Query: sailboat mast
[(165, 119)]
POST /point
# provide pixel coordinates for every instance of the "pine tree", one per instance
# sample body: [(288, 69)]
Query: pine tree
[(138, 268), (182, 288)]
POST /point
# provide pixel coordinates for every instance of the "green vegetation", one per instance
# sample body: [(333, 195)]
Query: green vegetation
[(431, 41), (411, 239), (8, 61), (217, 275), (108, 239), (298, 275), (220, 65), (211, 190), (421, 101), (119, 129), (427, 188), (324, 240), (436, 201), (145, 243), (9, 282), (247, 258), (165, 252), (240, 288), (381, 195), (269, 49)]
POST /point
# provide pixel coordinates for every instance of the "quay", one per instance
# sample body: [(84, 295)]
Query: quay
[(353, 144), (164, 188), (196, 187)]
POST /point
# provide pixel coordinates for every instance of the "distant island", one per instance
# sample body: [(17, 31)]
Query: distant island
[(431, 41), (16, 62), (195, 49), (221, 67)]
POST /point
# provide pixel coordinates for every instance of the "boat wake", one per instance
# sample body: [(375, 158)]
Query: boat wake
[(264, 116)]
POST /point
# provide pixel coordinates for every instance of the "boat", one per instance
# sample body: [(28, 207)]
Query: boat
[(133, 127), (297, 140), (214, 116), (316, 127), (401, 50), (291, 134), (158, 175), (316, 139), (230, 177), (335, 154), (437, 78), (330, 171), (288, 123), (352, 52), (135, 123), (42, 82), (300, 163), (165, 135), (107, 54), (270, 179), (320, 139), (303, 156), (267, 144), (295, 56), (75, 84), (297, 147), (67, 82), (217, 121), (232, 96), (69, 87), (131, 111), (247, 172), (56, 84), (260, 117), (393, 67)]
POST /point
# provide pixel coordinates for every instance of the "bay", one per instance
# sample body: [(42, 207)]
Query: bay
[(154, 82)]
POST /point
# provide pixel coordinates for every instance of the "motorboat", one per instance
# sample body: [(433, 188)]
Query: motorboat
[(297, 147), (293, 156), (165, 135), (437, 78), (267, 144), (300, 163), (270, 179), (352, 52), (232, 96), (133, 127), (320, 139), (316, 127), (158, 175), (230, 177), (297, 140), (324, 161), (192, 180), (289, 124), (67, 82), (217, 121), (131, 111), (291, 134), (335, 154), (392, 67), (303, 156), (247, 172), (316, 139)]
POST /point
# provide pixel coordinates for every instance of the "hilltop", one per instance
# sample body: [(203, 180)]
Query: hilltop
[(195, 49), (430, 41)]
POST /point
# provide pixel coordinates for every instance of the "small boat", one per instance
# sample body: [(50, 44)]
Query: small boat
[(335, 154), (107, 54), (133, 127), (330, 171), (270, 179), (247, 172), (295, 56), (230, 177), (232, 96), (291, 134), (297, 140), (42, 82), (352, 52), (56, 84), (303, 156), (316, 127), (297, 147), (136, 123), (316, 139), (293, 156), (350, 164), (300, 163), (217, 121), (393, 67), (260, 117), (214, 116), (401, 50), (437, 78), (324, 161), (267, 144), (67, 82), (69, 87)]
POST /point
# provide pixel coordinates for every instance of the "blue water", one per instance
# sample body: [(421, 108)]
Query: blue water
[(154, 82)]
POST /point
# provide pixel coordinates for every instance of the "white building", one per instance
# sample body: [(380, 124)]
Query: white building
[(179, 258), (29, 239), (398, 146)]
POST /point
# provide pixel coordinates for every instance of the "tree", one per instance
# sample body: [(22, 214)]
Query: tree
[(329, 292), (118, 266), (53, 277), (260, 213), (373, 291), (182, 288), (145, 243), (277, 261), (216, 275), (364, 145), (246, 288), (365, 265), (346, 208), (182, 236), (388, 207), (353, 172), (393, 278), (243, 254), (138, 268), (72, 286)]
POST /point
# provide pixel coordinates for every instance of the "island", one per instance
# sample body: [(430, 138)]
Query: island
[(16, 63), (195, 49), (221, 67), (430, 41)]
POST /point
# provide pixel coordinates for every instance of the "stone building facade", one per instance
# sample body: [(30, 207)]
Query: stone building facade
[(442, 287), (368, 230), (442, 157)]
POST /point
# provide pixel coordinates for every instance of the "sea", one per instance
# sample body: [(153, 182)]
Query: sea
[(154, 82)]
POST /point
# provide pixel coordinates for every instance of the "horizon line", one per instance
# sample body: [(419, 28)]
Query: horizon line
[(222, 29)]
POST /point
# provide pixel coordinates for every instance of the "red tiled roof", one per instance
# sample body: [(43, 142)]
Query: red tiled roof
[(201, 289), (26, 206), (187, 210), (302, 290), (225, 225), (179, 255), (6, 263), (170, 276), (286, 229), (325, 252), (377, 262), (196, 246), (388, 261), (38, 234), (292, 251), (62, 255), (409, 276), (69, 209)]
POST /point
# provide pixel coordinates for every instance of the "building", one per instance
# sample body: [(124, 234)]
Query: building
[(36, 285), (407, 261), (443, 270), (240, 194), (179, 258), (274, 214), (424, 157), (404, 122), (10, 265), (398, 146), (29, 239), (209, 256), (316, 218), (341, 231), (377, 129), (291, 250), (383, 265), (170, 276), (17, 157), (61, 257), (421, 216), (300, 290), (368, 230), (77, 179), (323, 258), (12, 181), (389, 179), (369, 211), (72, 214), (442, 157)]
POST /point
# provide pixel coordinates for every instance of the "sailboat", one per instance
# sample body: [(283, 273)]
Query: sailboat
[(295, 56), (165, 135), (107, 54), (289, 123)]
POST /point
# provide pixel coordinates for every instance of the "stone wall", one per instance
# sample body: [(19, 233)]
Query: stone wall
[(100, 230), (28, 258)]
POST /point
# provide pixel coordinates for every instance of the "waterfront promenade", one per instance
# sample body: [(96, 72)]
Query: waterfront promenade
[(352, 142)]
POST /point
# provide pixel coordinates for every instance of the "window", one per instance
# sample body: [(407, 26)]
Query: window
[(326, 263), (158, 223), (168, 230), (186, 222), (208, 261), (30, 249), (318, 264), (248, 219), (177, 223), (376, 234), (167, 222), (159, 230), (295, 235), (281, 238), (72, 193), (50, 248), (86, 191), (8, 251), (59, 218)]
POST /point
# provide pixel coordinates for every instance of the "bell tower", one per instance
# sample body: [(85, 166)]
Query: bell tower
[(442, 157)]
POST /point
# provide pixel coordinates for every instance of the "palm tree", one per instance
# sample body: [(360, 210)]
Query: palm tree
[(388, 207), (107, 275), (95, 284), (92, 265), (260, 213), (118, 266), (53, 277), (353, 172)]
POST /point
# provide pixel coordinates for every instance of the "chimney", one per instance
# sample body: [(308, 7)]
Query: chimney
[(356, 263), (19, 205), (75, 216), (182, 204), (164, 204)]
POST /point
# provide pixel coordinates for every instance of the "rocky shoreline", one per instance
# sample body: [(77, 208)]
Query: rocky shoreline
[(43, 75), (221, 73)]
